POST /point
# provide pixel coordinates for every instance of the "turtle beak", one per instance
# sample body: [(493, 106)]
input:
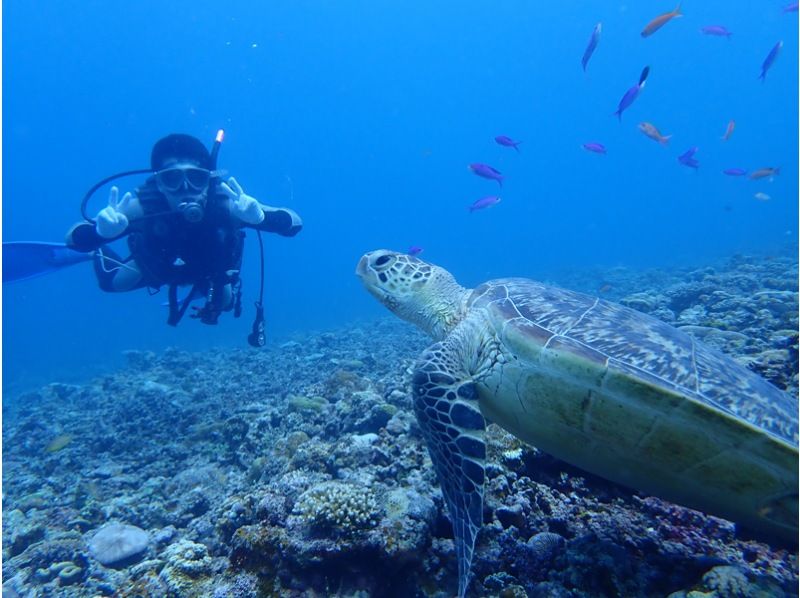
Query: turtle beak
[(369, 279), (363, 266), (368, 276)]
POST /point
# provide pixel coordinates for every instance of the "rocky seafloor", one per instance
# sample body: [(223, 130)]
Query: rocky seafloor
[(299, 470)]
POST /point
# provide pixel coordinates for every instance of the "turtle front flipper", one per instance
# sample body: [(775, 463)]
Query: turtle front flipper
[(446, 406)]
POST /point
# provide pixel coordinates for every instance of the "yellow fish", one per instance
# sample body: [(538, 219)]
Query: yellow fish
[(660, 21), (58, 443), (653, 133)]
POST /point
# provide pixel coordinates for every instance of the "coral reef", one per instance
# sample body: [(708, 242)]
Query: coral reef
[(299, 470)]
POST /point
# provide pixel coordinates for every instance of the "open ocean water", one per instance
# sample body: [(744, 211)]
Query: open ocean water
[(141, 459)]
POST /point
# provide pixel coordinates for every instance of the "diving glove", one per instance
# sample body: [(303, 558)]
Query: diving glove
[(111, 221), (244, 207)]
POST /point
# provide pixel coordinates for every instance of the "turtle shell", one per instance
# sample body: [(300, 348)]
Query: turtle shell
[(633, 399), (635, 346)]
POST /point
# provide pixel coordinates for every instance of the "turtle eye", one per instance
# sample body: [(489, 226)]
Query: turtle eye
[(382, 261)]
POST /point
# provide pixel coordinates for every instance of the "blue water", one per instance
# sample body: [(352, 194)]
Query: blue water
[(362, 116)]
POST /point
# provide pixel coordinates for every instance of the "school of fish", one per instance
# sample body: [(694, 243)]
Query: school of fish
[(687, 158)]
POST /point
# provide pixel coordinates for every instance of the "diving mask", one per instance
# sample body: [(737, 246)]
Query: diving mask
[(174, 179)]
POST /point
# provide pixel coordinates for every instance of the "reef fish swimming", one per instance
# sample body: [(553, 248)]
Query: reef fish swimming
[(487, 172), (734, 171), (632, 93), (660, 21), (687, 158), (627, 100), (763, 173), (717, 30), (592, 45), (729, 130), (767, 64), (653, 133), (594, 147), (506, 141), (484, 202)]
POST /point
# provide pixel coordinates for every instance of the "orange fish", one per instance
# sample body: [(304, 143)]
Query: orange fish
[(763, 173), (729, 130), (660, 21), (653, 133), (605, 288)]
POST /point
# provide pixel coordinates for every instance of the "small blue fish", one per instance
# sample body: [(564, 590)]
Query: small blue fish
[(773, 54), (484, 202), (687, 158), (792, 7), (632, 94), (734, 171), (627, 100), (592, 45), (595, 147), (415, 250), (506, 141), (487, 172)]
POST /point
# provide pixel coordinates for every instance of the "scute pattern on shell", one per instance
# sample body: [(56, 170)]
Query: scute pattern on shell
[(641, 346)]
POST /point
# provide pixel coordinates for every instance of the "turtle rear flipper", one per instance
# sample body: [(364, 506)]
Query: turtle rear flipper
[(446, 406)]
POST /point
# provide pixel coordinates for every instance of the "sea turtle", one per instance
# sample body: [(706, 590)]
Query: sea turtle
[(611, 390)]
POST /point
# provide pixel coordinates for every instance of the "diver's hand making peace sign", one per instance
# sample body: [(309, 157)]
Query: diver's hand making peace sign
[(112, 220), (244, 207)]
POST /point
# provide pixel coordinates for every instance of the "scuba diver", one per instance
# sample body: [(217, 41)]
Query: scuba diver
[(183, 228)]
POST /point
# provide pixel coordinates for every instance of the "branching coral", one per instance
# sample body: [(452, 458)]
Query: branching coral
[(338, 507)]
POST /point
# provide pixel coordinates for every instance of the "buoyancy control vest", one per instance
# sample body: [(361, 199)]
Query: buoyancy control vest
[(170, 250)]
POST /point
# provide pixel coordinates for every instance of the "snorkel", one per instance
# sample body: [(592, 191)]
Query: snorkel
[(215, 149)]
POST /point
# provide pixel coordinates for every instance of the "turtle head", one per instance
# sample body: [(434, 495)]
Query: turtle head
[(416, 291)]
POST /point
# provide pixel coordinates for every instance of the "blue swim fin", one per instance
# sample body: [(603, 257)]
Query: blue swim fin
[(23, 260)]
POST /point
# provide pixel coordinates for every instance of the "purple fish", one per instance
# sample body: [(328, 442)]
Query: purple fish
[(632, 94), (773, 54), (734, 171), (484, 202), (507, 141), (590, 48), (594, 146), (627, 100), (487, 172), (790, 7), (415, 250), (687, 158), (717, 30)]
